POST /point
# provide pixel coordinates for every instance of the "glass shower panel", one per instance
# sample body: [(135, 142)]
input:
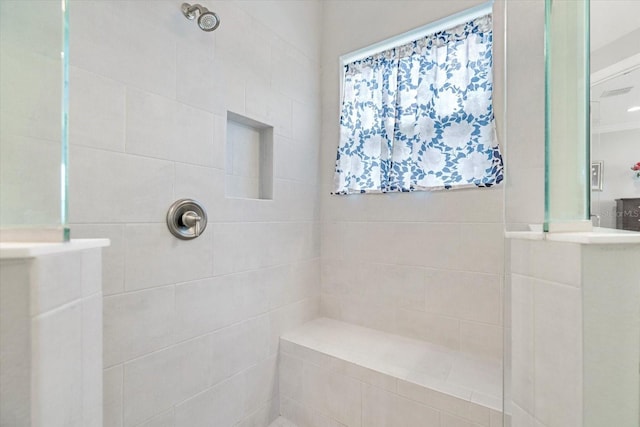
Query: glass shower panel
[(33, 119), (567, 190), (596, 210), (615, 133)]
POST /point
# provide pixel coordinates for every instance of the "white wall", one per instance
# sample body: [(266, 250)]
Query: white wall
[(51, 340), (191, 327), (426, 265), (546, 347), (524, 187), (617, 150), (576, 334)]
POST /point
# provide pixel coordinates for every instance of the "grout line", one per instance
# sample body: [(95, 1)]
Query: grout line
[(226, 275), (232, 325), (122, 400)]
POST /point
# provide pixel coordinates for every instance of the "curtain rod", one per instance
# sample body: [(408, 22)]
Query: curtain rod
[(417, 33)]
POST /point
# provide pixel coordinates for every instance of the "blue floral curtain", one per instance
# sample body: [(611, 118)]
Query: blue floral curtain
[(420, 116)]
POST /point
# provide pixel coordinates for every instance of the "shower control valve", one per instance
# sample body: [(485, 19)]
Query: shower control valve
[(186, 219)]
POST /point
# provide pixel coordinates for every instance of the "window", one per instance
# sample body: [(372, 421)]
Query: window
[(419, 116)]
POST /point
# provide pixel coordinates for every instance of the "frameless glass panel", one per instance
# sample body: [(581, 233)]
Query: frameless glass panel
[(567, 189), (33, 117), (615, 150)]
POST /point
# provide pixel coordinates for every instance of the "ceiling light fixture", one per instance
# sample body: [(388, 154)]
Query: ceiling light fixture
[(635, 108)]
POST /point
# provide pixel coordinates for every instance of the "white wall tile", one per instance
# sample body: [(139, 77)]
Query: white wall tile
[(194, 371), (378, 315), (469, 296), (365, 375), (331, 394), (153, 254), (163, 128), (279, 113), (261, 383), (240, 346), (56, 385), (441, 401), (520, 417), (553, 261), (483, 375), (17, 35), (164, 419), (165, 378), (481, 339), (522, 350), (221, 405), (430, 327), (31, 82), (302, 415), (136, 323), (290, 375), (150, 385), (120, 58), (206, 305), (151, 124), (92, 373), (91, 272), (381, 408), (35, 200), (240, 247), (199, 81), (285, 319), (96, 111), (112, 187), (525, 115), (15, 342), (112, 396), (557, 380), (611, 325), (265, 415), (55, 280), (482, 248), (112, 255), (448, 420), (524, 203)]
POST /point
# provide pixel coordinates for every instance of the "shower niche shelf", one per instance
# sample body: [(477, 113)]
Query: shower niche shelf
[(248, 158)]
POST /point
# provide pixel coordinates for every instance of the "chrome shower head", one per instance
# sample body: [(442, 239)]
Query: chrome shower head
[(208, 21)]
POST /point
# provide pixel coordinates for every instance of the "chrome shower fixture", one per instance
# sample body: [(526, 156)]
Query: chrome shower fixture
[(207, 21)]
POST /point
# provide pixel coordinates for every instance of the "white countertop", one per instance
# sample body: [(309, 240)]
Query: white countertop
[(598, 236), (13, 250)]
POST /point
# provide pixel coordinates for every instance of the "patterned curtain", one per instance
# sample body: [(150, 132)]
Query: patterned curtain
[(420, 116)]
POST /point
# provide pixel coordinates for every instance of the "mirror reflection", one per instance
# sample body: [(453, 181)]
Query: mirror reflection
[(615, 113)]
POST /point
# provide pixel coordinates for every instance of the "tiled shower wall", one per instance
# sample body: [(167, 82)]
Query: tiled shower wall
[(425, 265), (191, 327)]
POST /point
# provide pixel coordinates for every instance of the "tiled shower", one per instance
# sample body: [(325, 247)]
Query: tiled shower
[(191, 327), (359, 311)]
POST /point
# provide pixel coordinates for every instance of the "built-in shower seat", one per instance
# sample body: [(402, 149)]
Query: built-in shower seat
[(334, 373)]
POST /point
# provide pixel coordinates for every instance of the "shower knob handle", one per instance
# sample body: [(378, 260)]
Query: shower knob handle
[(192, 220)]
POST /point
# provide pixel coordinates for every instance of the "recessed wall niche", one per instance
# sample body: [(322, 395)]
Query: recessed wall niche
[(249, 158)]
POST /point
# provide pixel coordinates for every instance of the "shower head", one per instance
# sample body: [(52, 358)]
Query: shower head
[(208, 21)]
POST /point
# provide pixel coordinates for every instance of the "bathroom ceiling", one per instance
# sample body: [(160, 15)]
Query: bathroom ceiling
[(612, 19), (610, 112)]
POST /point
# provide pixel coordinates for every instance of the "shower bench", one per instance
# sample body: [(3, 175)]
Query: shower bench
[(334, 373)]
